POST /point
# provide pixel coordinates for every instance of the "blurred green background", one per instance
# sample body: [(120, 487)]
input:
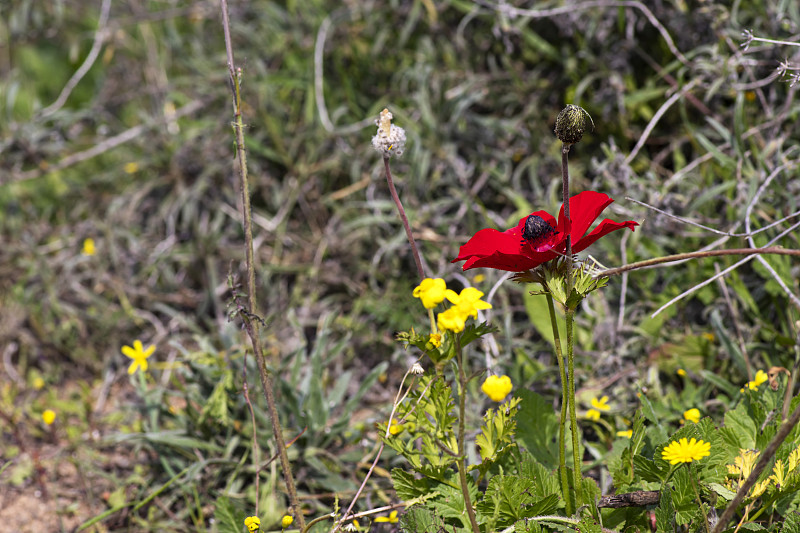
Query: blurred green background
[(137, 154)]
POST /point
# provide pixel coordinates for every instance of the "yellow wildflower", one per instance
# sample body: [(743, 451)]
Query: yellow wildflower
[(682, 372), (131, 167), (88, 247), (686, 451), (468, 302), (287, 521), (392, 518), (627, 433), (497, 388), (760, 378), (48, 416), (601, 404), (38, 383), (451, 320), (252, 523), (692, 415), (478, 278), (431, 292), (139, 355), (593, 414)]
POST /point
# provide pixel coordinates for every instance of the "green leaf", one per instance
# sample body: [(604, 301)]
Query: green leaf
[(648, 470), (227, 518), (537, 428), (742, 426), (530, 526), (722, 491), (545, 481), (474, 332), (665, 513), (539, 315), (791, 523), (407, 486), (450, 503), (422, 520)]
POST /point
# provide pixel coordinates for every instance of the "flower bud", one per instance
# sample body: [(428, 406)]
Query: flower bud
[(571, 123), (390, 139)]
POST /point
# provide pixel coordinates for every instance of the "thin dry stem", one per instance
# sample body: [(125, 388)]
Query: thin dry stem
[(251, 318), (396, 198)]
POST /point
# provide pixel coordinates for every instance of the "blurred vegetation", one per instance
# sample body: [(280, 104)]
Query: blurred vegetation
[(140, 159)]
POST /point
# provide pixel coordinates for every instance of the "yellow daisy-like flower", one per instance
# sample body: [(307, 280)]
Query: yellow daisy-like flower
[(593, 414), (131, 167), (431, 292), (287, 521), (478, 278), (392, 518), (38, 383), (761, 377), (497, 388), (451, 320), (48, 416), (88, 247), (686, 451), (468, 302), (139, 355), (681, 372), (628, 434), (252, 523), (601, 404), (692, 415)]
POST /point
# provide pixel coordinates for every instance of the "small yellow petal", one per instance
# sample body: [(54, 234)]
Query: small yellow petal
[(48, 416)]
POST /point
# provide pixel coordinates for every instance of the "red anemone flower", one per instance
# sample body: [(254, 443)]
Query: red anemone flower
[(538, 239)]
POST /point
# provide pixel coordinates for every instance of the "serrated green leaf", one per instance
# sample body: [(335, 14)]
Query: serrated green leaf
[(451, 502), (537, 428), (791, 523), (530, 526), (742, 425), (407, 486), (665, 513), (422, 520), (648, 470)]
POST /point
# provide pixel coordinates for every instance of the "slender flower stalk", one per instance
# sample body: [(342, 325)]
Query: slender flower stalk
[(389, 141), (252, 325), (462, 459), (562, 441), (570, 125)]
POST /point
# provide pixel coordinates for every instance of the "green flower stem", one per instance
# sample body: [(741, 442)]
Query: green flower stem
[(692, 472), (252, 326), (462, 457), (573, 418), (573, 421), (562, 460)]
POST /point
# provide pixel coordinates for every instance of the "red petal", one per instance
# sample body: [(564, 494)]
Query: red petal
[(605, 227), (584, 208)]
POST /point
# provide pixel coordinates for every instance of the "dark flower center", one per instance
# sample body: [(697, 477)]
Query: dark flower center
[(537, 231)]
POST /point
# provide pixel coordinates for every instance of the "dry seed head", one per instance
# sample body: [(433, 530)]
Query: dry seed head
[(571, 123), (390, 139)]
